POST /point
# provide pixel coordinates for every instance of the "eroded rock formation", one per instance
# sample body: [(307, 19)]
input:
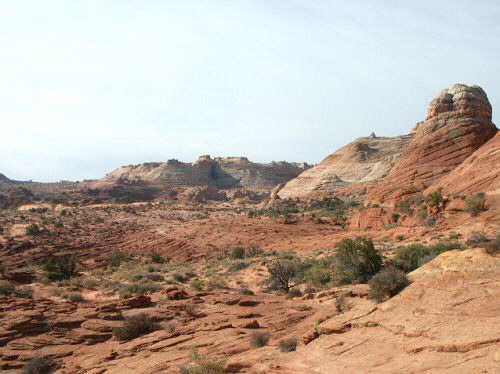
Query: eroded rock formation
[(364, 160), (458, 123)]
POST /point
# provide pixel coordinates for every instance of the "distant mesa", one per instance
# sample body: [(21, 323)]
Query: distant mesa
[(219, 172)]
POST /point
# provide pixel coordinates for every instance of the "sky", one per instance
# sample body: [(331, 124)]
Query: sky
[(87, 86)]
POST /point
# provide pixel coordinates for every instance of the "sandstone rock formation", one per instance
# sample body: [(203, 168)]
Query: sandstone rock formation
[(229, 172), (480, 172), (445, 321), (458, 123), (364, 160)]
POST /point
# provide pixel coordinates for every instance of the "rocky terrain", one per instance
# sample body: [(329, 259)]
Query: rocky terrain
[(384, 258), (229, 172)]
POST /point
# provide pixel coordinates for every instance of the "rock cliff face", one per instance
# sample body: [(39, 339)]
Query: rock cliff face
[(480, 172), (227, 172), (366, 159), (458, 123)]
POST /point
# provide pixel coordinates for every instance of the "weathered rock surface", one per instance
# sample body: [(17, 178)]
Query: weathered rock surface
[(364, 160), (446, 321), (458, 123), (219, 172), (480, 172)]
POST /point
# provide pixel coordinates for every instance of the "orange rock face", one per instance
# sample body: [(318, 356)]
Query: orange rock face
[(458, 123)]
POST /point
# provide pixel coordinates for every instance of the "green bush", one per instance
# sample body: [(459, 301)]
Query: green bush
[(157, 259), (320, 273), (135, 326), (435, 199), (356, 261), (39, 365), (475, 204), (410, 257), (238, 253), (294, 292), (288, 345), (404, 207), (259, 339), (3, 269), (63, 267), (116, 259), (33, 230), (387, 283)]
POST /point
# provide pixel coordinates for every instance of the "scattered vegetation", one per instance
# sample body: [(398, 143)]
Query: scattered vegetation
[(33, 230), (288, 345), (238, 253), (39, 365), (342, 305), (6, 287), (412, 256), (259, 339), (63, 267), (135, 326), (435, 199), (475, 204), (202, 364), (116, 259), (387, 283), (285, 273), (356, 261), (197, 284), (145, 287)]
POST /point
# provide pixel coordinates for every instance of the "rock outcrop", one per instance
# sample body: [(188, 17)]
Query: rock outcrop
[(229, 172), (458, 123), (366, 159), (480, 172)]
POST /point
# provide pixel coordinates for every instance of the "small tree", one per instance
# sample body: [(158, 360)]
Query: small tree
[(285, 274), (435, 199), (475, 204), (33, 230), (387, 283), (356, 261)]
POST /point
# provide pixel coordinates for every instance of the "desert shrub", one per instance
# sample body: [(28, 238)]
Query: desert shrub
[(154, 277), (294, 292), (39, 365), (217, 283), (253, 250), (404, 207), (342, 305), (288, 345), (238, 253), (24, 292), (435, 199), (73, 296), (138, 288), (418, 199), (395, 217), (400, 238), (356, 261), (33, 230), (431, 222), (252, 214), (410, 257), (320, 273), (391, 226), (197, 284), (135, 326), (202, 364), (3, 269), (63, 267), (493, 246), (387, 283), (475, 204), (259, 339), (6, 287), (181, 278), (170, 326), (116, 259), (158, 259), (191, 310), (477, 239), (285, 273)]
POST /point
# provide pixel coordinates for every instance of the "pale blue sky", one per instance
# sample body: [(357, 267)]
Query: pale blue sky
[(87, 86)]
